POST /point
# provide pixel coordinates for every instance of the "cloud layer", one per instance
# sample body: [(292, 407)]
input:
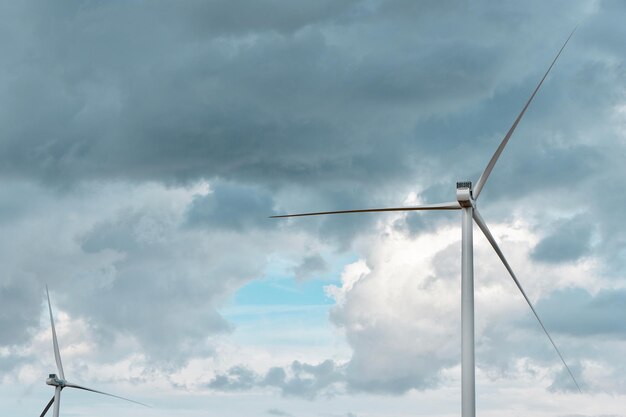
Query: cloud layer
[(144, 144)]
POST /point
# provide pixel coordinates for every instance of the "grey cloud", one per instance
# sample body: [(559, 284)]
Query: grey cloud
[(119, 258), (575, 312), (569, 241), (383, 363), (236, 379), (20, 311), (587, 329), (309, 380), (103, 99), (283, 100), (416, 222), (277, 412), (232, 206), (396, 373), (24, 245), (10, 362), (121, 234), (160, 287), (563, 381), (298, 380), (534, 171), (308, 98), (587, 415), (339, 229), (274, 377), (604, 199), (220, 17), (498, 355), (294, 106), (310, 265)]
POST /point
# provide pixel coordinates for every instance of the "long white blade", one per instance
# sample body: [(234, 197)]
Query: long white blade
[(45, 410), (483, 178), (453, 205), (483, 226), (55, 342), (70, 385)]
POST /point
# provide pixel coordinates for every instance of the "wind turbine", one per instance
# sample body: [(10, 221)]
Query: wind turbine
[(466, 202), (59, 382)]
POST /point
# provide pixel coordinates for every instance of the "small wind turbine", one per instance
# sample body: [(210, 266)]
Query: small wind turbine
[(59, 382), (466, 202)]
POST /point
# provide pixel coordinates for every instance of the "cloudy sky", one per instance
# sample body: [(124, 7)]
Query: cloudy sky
[(143, 144)]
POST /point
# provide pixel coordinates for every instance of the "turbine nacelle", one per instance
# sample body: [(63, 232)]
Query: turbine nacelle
[(464, 194), (55, 381)]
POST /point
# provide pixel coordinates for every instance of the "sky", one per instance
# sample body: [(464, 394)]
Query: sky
[(143, 145)]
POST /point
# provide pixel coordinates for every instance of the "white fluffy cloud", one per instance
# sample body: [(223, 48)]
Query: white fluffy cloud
[(400, 309)]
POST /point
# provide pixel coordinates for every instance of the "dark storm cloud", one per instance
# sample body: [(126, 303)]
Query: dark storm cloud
[(253, 16), (264, 93), (334, 99), (167, 104)]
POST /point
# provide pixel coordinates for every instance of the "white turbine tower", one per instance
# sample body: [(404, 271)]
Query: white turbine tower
[(466, 202), (59, 382)]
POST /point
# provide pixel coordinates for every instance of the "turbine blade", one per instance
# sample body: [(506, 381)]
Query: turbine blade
[(453, 205), (492, 162), (55, 342), (483, 226), (45, 410), (70, 385)]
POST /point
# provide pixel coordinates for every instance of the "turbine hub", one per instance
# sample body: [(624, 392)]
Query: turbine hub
[(464, 194)]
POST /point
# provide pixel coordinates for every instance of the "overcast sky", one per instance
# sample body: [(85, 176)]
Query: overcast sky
[(143, 144)]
